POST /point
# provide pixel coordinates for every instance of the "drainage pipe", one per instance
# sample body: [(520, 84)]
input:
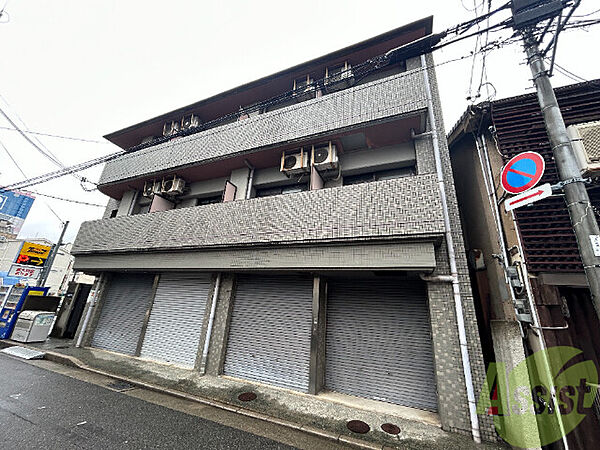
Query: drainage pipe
[(462, 334), (91, 302), (211, 319), (250, 179)]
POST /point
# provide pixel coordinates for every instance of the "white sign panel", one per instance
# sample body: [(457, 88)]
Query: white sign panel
[(16, 270), (595, 243), (527, 197)]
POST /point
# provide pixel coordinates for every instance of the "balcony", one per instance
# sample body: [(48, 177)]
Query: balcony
[(397, 95), (407, 207)]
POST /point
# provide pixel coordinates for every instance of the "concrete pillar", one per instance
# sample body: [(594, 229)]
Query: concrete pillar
[(316, 376), (100, 286), (239, 177), (220, 332), (127, 203)]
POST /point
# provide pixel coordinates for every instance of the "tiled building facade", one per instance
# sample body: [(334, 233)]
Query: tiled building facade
[(332, 269)]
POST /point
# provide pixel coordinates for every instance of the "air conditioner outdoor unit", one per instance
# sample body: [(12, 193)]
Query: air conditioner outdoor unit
[(338, 77), (585, 138), (173, 186), (190, 121), (324, 156), (294, 163), (151, 188), (170, 128)]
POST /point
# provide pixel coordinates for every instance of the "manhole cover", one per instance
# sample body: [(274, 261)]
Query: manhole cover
[(120, 386), (390, 428), (247, 396), (358, 426)]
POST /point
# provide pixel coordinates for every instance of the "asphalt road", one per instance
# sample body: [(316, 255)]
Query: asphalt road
[(41, 409)]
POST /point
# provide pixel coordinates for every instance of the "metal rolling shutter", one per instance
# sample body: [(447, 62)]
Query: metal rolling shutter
[(122, 317), (379, 342), (269, 335), (175, 324)]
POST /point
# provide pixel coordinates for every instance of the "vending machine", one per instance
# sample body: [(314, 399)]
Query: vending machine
[(12, 307)]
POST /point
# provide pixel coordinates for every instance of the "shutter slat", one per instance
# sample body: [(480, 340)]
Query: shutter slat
[(175, 325), (269, 335), (379, 341), (122, 317)]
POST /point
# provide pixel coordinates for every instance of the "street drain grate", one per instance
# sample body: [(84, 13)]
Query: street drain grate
[(62, 347), (120, 386), (358, 426), (247, 397), (390, 428)]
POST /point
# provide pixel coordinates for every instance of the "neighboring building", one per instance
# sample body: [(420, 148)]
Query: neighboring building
[(539, 243), (60, 272), (311, 226), (14, 207)]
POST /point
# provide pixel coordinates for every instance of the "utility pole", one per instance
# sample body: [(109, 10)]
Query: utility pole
[(53, 252), (580, 209)]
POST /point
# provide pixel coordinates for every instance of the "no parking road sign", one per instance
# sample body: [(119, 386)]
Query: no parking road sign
[(522, 172)]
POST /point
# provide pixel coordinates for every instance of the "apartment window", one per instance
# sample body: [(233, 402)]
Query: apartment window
[(378, 176), (209, 200), (290, 189)]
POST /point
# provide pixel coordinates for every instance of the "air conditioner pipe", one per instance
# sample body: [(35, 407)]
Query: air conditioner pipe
[(437, 278), (250, 179), (91, 302), (211, 319), (462, 334), (415, 135)]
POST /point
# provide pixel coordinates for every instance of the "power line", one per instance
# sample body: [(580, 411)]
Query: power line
[(79, 202), (39, 133), (87, 164)]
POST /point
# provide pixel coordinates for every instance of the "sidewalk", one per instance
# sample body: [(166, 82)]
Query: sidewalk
[(324, 415)]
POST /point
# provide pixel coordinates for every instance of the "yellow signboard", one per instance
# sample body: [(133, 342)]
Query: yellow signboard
[(33, 254)]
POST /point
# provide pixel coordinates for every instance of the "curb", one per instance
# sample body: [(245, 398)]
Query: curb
[(71, 361)]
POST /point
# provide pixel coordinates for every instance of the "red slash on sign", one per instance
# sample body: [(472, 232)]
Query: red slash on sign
[(528, 197)]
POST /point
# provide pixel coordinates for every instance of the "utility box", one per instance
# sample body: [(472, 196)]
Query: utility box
[(33, 326)]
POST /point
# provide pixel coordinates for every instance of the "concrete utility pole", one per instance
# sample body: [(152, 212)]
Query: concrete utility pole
[(578, 202), (52, 255)]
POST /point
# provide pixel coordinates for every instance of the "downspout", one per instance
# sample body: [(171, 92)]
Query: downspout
[(486, 171), (91, 302), (211, 319), (462, 335), (250, 179)]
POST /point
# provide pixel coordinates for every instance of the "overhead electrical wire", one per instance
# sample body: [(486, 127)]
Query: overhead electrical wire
[(360, 70), (87, 164), (71, 138), (40, 147)]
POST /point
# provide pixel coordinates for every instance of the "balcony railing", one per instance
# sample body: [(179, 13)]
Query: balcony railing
[(392, 96), (403, 207)]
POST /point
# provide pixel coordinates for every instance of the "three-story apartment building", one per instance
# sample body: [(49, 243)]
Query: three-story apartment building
[(300, 231)]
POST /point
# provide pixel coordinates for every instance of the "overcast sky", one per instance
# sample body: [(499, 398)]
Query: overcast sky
[(85, 68)]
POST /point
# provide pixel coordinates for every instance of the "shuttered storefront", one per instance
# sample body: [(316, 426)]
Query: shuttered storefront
[(379, 341), (269, 335), (123, 311), (175, 325)]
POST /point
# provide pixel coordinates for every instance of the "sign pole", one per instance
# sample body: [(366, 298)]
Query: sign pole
[(580, 209), (53, 252)]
